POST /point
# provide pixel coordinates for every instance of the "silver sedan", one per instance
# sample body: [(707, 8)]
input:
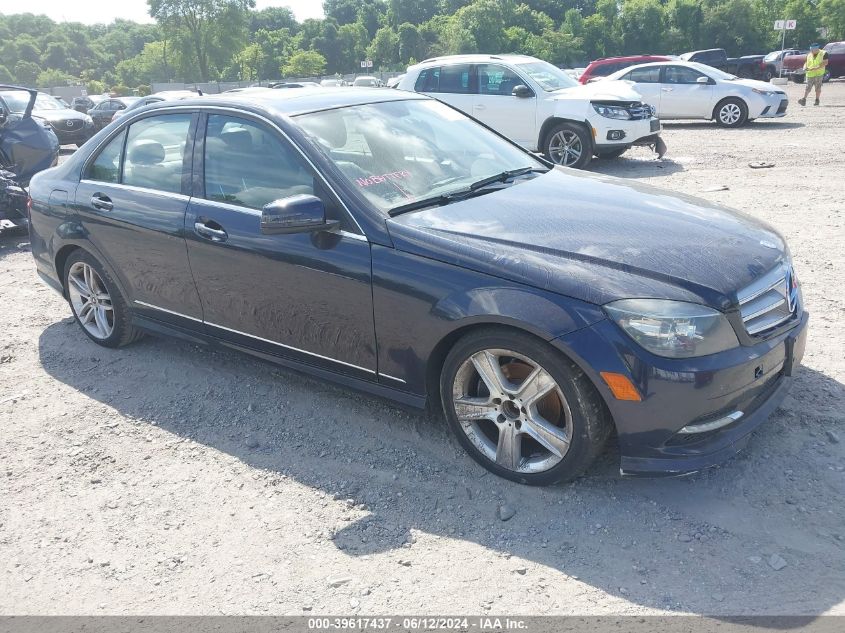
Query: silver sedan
[(689, 90)]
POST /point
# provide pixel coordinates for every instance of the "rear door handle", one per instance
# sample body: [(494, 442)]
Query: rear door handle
[(667, 89), (101, 202), (210, 230)]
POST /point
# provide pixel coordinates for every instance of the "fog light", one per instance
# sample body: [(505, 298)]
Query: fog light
[(615, 135)]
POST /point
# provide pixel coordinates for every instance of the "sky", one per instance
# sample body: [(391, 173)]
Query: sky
[(93, 11)]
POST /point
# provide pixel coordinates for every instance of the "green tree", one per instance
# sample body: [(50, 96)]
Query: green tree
[(411, 43), (384, 49), (51, 77), (26, 73), (209, 25), (305, 64), (249, 62), (642, 24), (832, 13), (5, 75)]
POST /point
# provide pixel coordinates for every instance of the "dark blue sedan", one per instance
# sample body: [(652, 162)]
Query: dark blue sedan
[(390, 243)]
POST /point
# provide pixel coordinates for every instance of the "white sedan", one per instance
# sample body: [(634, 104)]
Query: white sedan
[(689, 90)]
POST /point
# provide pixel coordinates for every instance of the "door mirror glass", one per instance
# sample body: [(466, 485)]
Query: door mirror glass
[(301, 213), (522, 91), (703, 80)]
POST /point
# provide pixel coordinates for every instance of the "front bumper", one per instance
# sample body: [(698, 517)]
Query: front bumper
[(680, 392), (769, 107), (634, 131)]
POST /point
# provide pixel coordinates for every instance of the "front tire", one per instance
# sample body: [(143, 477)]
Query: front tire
[(569, 144), (731, 112), (520, 408), (96, 302)]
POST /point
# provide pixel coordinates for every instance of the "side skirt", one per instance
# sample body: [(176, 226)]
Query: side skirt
[(165, 329)]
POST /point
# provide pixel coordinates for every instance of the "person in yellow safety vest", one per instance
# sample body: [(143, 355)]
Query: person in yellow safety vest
[(815, 66)]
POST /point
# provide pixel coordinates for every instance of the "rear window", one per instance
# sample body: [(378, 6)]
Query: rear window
[(603, 70)]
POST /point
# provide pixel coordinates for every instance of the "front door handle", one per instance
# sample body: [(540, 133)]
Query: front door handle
[(101, 202), (479, 106), (210, 230), (668, 89)]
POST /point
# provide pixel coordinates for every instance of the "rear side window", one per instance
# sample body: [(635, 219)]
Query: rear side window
[(155, 152), (428, 80), (450, 80), (106, 167), (644, 75)]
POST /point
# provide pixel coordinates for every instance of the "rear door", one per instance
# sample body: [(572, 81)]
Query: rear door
[(133, 195), (303, 296), (647, 83), (496, 106), (682, 97), (453, 84)]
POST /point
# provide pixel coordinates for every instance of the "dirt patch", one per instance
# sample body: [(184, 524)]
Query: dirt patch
[(170, 479)]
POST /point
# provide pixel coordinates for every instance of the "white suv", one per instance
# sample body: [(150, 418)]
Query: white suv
[(539, 106)]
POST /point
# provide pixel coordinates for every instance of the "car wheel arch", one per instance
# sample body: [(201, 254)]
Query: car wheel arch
[(714, 116), (64, 253), (552, 121)]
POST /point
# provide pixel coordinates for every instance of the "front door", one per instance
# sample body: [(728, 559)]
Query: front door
[(134, 189), (304, 296), (495, 105), (682, 97)]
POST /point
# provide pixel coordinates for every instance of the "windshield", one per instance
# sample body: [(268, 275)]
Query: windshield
[(398, 152), (549, 77), (715, 73), (46, 102)]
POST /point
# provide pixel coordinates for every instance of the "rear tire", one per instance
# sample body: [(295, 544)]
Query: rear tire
[(569, 144), (95, 300), (731, 112), (541, 440)]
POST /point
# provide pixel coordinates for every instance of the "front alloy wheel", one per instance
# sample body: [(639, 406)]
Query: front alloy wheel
[(520, 408), (569, 144), (731, 113), (512, 410)]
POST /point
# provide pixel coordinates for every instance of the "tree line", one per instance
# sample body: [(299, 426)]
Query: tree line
[(227, 40)]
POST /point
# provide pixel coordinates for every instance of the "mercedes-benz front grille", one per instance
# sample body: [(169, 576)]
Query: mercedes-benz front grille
[(769, 301)]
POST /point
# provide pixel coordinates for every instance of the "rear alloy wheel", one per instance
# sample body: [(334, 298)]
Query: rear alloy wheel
[(521, 409), (97, 305), (731, 113), (569, 144)]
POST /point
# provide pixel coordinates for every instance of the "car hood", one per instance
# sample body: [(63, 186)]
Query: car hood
[(58, 115), (597, 239), (606, 90), (753, 83)]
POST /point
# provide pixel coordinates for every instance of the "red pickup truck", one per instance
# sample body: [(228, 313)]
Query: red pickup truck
[(793, 65)]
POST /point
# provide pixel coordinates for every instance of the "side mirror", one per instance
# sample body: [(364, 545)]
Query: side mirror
[(704, 80), (522, 92), (295, 214)]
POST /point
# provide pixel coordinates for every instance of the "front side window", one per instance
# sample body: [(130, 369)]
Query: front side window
[(106, 167), (497, 80), (398, 152), (246, 164), (155, 152)]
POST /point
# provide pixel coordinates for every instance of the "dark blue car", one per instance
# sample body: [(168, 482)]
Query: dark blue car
[(390, 243)]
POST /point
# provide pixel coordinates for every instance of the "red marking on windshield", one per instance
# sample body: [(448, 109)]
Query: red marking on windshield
[(377, 180)]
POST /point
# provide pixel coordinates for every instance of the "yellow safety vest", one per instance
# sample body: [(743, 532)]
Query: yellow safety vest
[(812, 61)]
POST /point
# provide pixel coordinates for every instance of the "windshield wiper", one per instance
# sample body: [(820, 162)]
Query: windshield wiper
[(462, 194)]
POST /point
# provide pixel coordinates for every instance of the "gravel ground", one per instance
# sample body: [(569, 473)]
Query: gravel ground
[(171, 479)]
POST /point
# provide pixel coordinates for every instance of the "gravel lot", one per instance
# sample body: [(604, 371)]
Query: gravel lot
[(171, 479)]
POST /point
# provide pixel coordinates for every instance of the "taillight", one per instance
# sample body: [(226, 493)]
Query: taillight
[(29, 207)]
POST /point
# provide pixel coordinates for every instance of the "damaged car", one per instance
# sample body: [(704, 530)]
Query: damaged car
[(27, 146)]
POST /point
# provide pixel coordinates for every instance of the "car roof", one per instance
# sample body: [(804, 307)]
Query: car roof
[(293, 102), (474, 58)]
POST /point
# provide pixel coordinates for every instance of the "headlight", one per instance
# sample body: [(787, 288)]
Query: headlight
[(674, 329), (611, 112), (760, 91)]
